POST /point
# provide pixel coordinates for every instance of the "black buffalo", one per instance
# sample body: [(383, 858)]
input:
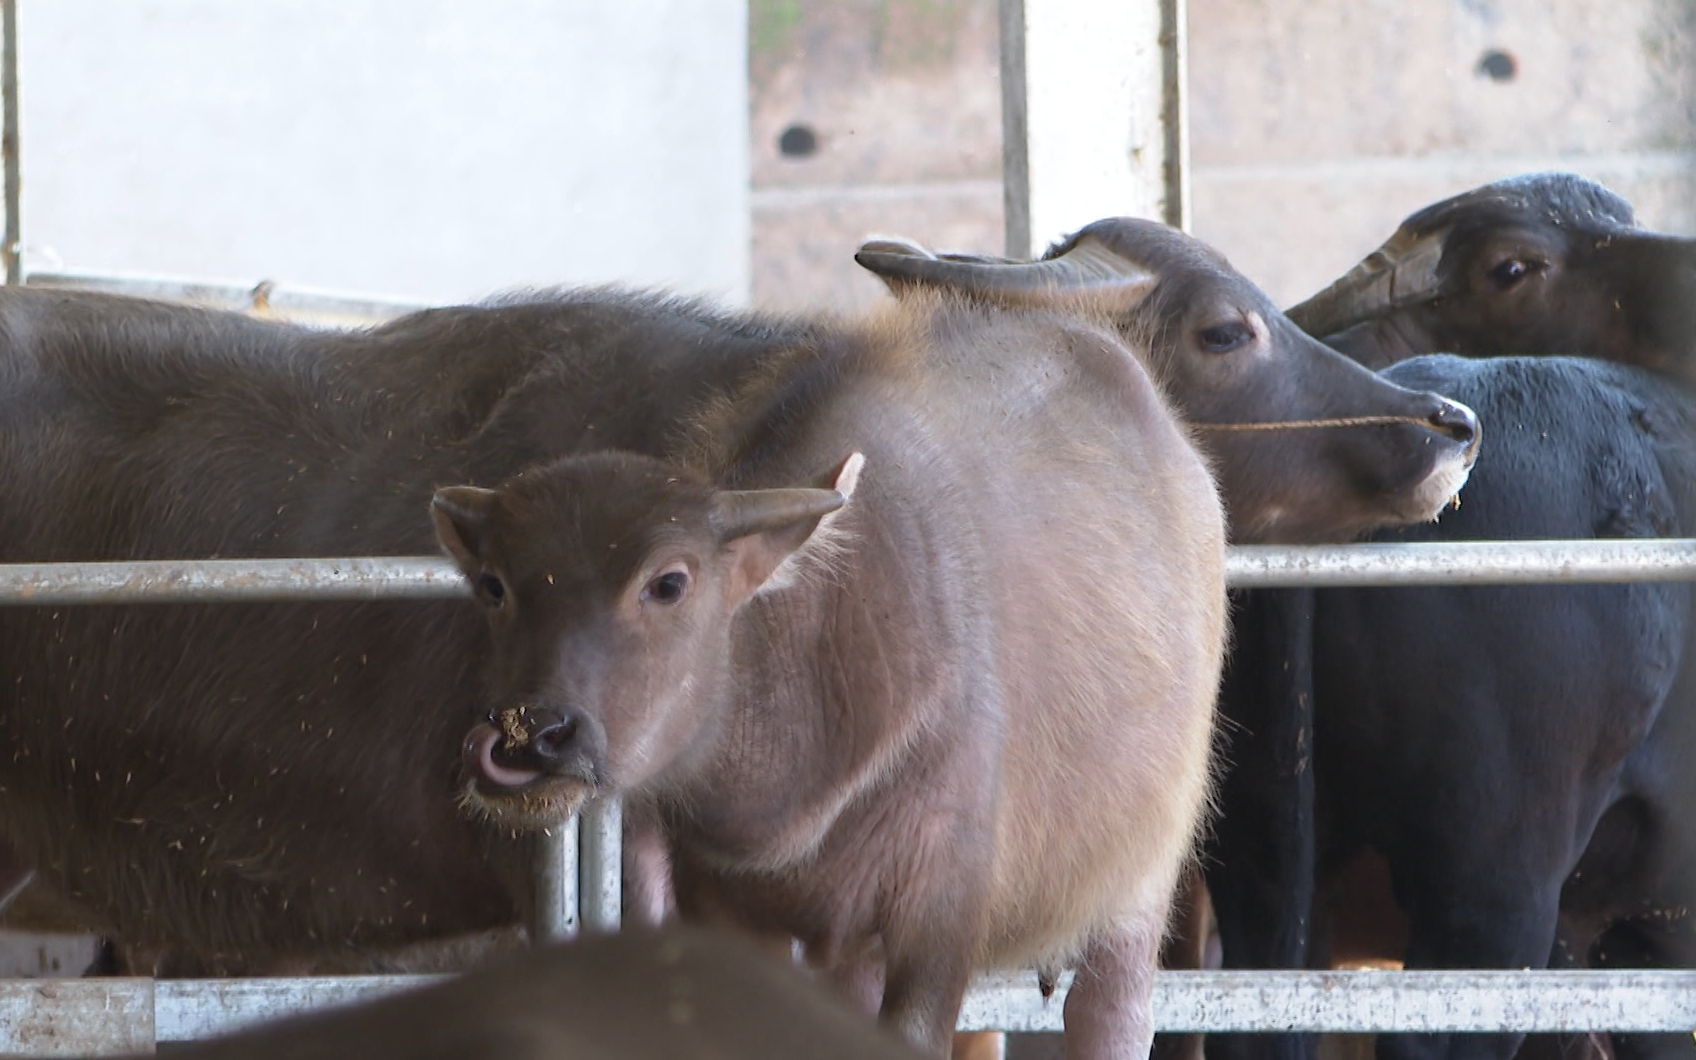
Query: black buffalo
[(1544, 264), (1516, 758)]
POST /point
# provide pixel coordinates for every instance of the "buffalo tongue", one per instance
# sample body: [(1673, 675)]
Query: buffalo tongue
[(479, 752)]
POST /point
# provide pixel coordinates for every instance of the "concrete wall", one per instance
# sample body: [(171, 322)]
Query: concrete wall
[(414, 147), (1315, 126), (903, 99)]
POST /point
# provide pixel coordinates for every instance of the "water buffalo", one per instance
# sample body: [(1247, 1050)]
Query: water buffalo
[(1515, 756), (1548, 263), (848, 731), (1210, 332), (1202, 320), (680, 993), (240, 784)]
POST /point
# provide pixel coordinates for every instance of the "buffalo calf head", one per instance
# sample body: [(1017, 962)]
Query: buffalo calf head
[(610, 582)]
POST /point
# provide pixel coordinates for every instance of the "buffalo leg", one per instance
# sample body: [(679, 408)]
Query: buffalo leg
[(108, 960), (1652, 942), (922, 992), (15, 877), (1110, 1008), (648, 898), (860, 982), (1185, 950), (1506, 921), (1568, 954), (1262, 851)]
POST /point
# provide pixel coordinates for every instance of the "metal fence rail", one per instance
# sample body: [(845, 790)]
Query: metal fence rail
[(1247, 566), (1463, 563), (265, 297), (107, 1016), (232, 580)]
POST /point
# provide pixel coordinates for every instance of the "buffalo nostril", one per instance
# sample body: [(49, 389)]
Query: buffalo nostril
[(1456, 421), (554, 741)]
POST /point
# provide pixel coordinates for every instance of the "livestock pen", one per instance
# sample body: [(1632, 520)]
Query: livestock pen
[(577, 877)]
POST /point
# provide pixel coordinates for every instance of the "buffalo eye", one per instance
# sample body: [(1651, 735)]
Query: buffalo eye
[(1225, 337), (492, 590), (667, 588), (1506, 273)]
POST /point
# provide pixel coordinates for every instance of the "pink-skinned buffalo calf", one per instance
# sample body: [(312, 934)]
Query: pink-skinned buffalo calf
[(911, 651)]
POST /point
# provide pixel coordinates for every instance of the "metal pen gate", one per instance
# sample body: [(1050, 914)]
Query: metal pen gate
[(578, 871)]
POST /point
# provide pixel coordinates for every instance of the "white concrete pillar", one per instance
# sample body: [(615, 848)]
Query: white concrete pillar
[(1093, 115)]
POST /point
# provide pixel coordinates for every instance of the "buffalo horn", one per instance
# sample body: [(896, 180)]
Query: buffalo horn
[(738, 513), (1403, 270), (1087, 266)]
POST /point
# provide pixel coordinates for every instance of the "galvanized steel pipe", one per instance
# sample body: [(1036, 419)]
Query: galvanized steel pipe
[(293, 303), (106, 1016), (1247, 566), (1374, 1001), (557, 908), (232, 581), (601, 868), (11, 146), (1463, 563)]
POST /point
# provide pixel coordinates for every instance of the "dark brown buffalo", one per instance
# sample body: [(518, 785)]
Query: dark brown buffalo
[(1548, 263), (673, 995), (244, 783), (1211, 333)]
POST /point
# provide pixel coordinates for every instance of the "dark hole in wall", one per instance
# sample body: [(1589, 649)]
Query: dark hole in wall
[(1497, 65), (798, 141)]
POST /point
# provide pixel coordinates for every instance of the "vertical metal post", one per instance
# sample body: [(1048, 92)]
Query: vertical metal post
[(1015, 131), (1092, 115), (601, 865), (12, 252), (554, 916), (1175, 111)]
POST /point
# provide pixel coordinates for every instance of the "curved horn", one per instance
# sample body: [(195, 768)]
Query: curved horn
[(892, 246), (1088, 266), (1403, 270), (738, 513)]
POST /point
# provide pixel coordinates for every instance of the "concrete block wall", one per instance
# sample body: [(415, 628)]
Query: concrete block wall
[(902, 100), (1315, 126)]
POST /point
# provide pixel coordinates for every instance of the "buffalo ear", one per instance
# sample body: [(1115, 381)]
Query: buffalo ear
[(763, 528), (461, 515)]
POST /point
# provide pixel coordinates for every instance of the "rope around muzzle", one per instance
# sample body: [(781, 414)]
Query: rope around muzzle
[(1299, 425)]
